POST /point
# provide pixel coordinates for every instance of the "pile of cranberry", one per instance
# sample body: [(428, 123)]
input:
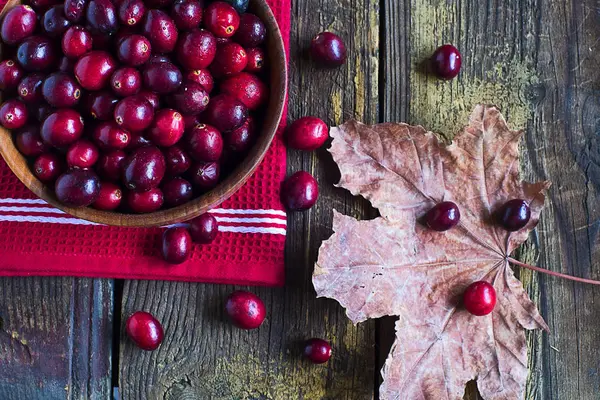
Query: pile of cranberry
[(114, 99)]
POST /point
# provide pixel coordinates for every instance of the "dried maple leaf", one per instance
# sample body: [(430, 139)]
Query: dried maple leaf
[(393, 265)]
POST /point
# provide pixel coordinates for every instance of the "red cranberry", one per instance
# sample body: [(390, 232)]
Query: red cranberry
[(205, 143), (36, 53), (248, 89), (190, 98), (137, 141), (160, 29), (252, 31), (196, 49), (94, 69), (167, 128), (187, 14), (77, 187), (480, 298), (230, 59), (134, 50), (76, 42), (102, 17), (145, 202), (307, 133), (74, 9), (176, 245), (18, 23), (226, 113), (144, 169), (61, 90), (256, 60), (162, 78), (241, 139), (177, 161), (62, 127), (151, 97), (240, 5), (10, 75), (110, 136), (82, 154), (246, 310), (42, 111), (299, 192), (514, 215), (177, 191), (204, 229), (13, 114), (203, 77), (110, 165), (442, 216), (100, 105), (446, 61), (30, 88), (29, 142), (109, 197), (317, 350), (221, 19), (144, 330), (328, 49), (205, 176), (134, 113), (47, 167), (131, 12), (126, 81), (54, 22)]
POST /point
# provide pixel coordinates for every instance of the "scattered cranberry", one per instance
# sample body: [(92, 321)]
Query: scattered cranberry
[(110, 165), (177, 161), (134, 113), (54, 22), (77, 187), (514, 215), (246, 310), (47, 167), (204, 228), (109, 197), (202, 77), (101, 105), (61, 90), (62, 127), (76, 42), (18, 23), (10, 75), (328, 49), (205, 175), (221, 19), (187, 14), (446, 61), (126, 81), (205, 143), (307, 133), (101, 15), (160, 29), (480, 298), (443, 216), (248, 89), (94, 69), (29, 142), (251, 32), (177, 191), (317, 350), (256, 60), (190, 98), (82, 154), (131, 12), (167, 128), (30, 88), (176, 245), (196, 49), (144, 330), (134, 50), (226, 113), (13, 114), (145, 202), (299, 192), (144, 169), (110, 136), (230, 59), (37, 53)]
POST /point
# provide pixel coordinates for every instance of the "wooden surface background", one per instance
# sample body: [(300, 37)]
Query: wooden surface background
[(536, 59)]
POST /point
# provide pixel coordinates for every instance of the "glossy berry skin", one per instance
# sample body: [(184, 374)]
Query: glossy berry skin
[(54, 22), (131, 12), (514, 215), (190, 98), (176, 245), (196, 49), (299, 192), (167, 128), (82, 154), (152, 98), (479, 298), (126, 81), (61, 90), (18, 23), (47, 167), (100, 105), (442, 216), (204, 229), (74, 9), (177, 160), (230, 59), (76, 42), (328, 49), (110, 165), (134, 113), (160, 29), (109, 198), (10, 75), (110, 136), (226, 113), (221, 19), (144, 169), (318, 351), (13, 114), (177, 191), (240, 5), (241, 139), (307, 133), (256, 60), (204, 143), (101, 15), (134, 50), (248, 89), (137, 141), (251, 32), (62, 128), (29, 142), (203, 77), (187, 14), (145, 202), (204, 175), (245, 310), (94, 69), (144, 330), (77, 187), (37, 53), (446, 61), (162, 78)]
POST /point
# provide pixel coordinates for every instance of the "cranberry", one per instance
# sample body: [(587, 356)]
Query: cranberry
[(514, 215), (317, 350), (177, 191), (205, 143), (144, 330), (221, 19), (299, 192), (230, 59), (62, 127), (246, 310), (10, 75), (13, 114), (109, 197), (110, 136), (307, 133), (226, 113), (134, 50), (328, 49), (187, 14), (131, 12), (162, 78), (101, 105), (190, 98), (82, 154), (126, 81), (18, 23), (205, 176), (167, 128), (446, 61), (61, 90), (152, 98), (124, 32), (110, 165), (145, 202), (479, 298), (94, 69), (77, 187), (137, 141), (102, 17), (240, 5), (29, 142), (42, 111), (202, 77), (177, 161), (442, 216), (54, 22), (190, 121), (42, 5), (30, 88), (134, 113), (36, 53), (160, 29), (248, 89), (47, 167), (144, 169), (66, 65), (256, 60), (196, 49), (159, 58), (74, 9), (252, 31), (176, 245), (76, 42), (240, 140), (204, 228)]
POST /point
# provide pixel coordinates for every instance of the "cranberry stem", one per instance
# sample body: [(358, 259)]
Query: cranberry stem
[(553, 273)]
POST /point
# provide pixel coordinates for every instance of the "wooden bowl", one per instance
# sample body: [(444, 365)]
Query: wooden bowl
[(278, 78)]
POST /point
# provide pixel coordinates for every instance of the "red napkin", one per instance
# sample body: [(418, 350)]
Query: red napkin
[(38, 239)]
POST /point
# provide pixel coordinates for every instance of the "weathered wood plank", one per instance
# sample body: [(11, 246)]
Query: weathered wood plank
[(55, 338)]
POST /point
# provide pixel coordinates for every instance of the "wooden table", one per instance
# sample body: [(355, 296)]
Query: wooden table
[(536, 59)]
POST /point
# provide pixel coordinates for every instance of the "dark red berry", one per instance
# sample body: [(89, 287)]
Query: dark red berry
[(126, 81), (257, 60), (205, 143), (134, 113), (74, 9), (82, 154), (205, 175), (226, 113), (190, 98), (241, 139), (100, 105), (110, 165), (307, 133), (29, 142), (162, 78), (167, 128), (62, 127), (221, 19), (177, 191), (37, 53), (48, 166), (230, 59), (76, 42), (13, 114), (42, 5), (144, 169), (442, 216), (251, 32), (204, 228), (245, 310), (177, 160), (480, 298), (131, 12), (160, 29), (176, 245), (196, 49), (61, 90), (203, 77), (77, 187), (187, 14), (110, 136), (145, 202), (54, 22), (94, 69), (18, 23), (514, 215), (144, 330), (10, 75), (190, 121), (134, 50), (240, 5), (248, 89), (159, 58), (446, 61), (137, 141), (152, 98), (109, 197), (318, 351), (299, 192), (328, 49), (102, 17), (223, 41)]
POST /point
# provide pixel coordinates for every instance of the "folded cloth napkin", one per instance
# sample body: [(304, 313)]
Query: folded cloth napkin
[(38, 239)]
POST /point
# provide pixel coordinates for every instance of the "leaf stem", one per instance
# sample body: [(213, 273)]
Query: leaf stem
[(545, 271)]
